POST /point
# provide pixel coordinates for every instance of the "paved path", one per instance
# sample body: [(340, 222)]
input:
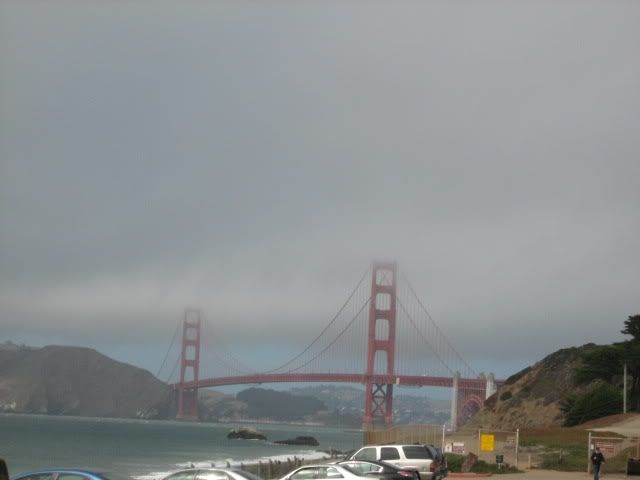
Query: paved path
[(629, 427), (554, 475)]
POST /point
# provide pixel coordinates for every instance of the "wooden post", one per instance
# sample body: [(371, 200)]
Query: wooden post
[(624, 389), (589, 454)]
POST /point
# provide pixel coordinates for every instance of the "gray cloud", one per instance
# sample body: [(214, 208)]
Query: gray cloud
[(252, 158)]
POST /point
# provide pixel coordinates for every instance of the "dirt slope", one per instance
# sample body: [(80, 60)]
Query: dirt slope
[(531, 398)]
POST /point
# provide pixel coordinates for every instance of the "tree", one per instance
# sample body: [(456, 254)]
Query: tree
[(605, 363), (601, 363), (632, 327), (601, 400)]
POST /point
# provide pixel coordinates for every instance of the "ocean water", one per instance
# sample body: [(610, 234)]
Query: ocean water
[(147, 449)]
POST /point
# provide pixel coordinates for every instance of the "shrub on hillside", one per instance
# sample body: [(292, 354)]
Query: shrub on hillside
[(506, 396), (601, 400)]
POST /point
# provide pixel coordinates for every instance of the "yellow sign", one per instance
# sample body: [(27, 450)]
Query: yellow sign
[(487, 442)]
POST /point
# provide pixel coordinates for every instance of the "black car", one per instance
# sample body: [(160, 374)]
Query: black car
[(379, 469), (440, 461)]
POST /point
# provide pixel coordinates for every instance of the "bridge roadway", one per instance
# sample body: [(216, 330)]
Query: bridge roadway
[(406, 380)]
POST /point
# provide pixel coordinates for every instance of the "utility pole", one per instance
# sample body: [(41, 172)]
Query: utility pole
[(624, 389)]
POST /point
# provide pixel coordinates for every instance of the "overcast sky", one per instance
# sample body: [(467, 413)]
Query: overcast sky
[(252, 157)]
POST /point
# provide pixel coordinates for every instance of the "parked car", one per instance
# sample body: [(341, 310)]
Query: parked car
[(441, 461), (325, 472), (420, 457), (212, 474), (383, 470), (66, 474)]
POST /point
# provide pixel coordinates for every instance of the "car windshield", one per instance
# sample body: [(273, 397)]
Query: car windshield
[(113, 476), (247, 475), (352, 469)]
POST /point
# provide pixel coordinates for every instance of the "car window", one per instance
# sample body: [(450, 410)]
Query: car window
[(432, 451), (213, 475), (185, 475), (246, 475), (389, 453), (366, 454), (417, 452), (42, 476), (71, 476), (362, 467), (328, 472), (305, 473)]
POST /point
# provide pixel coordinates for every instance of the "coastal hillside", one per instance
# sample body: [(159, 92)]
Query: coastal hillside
[(533, 397), (58, 380)]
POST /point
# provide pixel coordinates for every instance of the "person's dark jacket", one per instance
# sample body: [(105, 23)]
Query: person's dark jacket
[(597, 458)]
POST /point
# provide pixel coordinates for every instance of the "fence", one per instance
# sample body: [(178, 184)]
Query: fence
[(490, 446), (498, 446), (616, 450), (423, 434)]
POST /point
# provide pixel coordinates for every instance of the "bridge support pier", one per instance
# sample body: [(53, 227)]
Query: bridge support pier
[(381, 344), (491, 386), (455, 393), (189, 367)]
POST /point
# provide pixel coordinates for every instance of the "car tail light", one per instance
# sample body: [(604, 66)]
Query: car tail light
[(406, 473), (432, 467)]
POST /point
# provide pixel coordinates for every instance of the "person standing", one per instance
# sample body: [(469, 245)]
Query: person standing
[(597, 459)]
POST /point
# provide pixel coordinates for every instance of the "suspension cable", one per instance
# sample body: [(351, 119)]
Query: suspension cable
[(437, 327), (422, 336), (289, 362), (166, 355), (335, 339)]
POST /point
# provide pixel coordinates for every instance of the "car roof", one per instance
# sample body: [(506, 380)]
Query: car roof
[(82, 471), (376, 462), (320, 465)]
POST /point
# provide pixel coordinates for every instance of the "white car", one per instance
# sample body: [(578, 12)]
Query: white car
[(212, 474), (406, 456), (321, 472)]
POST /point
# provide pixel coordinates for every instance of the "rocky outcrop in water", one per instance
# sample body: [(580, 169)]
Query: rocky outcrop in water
[(244, 433), (311, 441)]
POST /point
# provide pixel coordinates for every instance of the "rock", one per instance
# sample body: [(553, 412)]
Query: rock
[(244, 433), (469, 462), (299, 441)]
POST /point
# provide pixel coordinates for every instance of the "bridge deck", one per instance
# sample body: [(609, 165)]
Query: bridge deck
[(405, 380)]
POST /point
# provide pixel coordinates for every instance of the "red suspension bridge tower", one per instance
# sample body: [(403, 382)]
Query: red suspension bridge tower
[(381, 343), (189, 366)]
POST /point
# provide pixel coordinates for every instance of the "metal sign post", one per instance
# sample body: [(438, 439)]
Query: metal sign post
[(517, 445)]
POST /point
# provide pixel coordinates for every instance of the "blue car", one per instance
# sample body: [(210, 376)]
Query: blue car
[(65, 474)]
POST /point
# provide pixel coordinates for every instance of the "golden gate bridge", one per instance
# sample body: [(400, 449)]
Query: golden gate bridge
[(381, 337)]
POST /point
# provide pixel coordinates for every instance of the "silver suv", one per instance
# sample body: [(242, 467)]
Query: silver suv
[(420, 457)]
